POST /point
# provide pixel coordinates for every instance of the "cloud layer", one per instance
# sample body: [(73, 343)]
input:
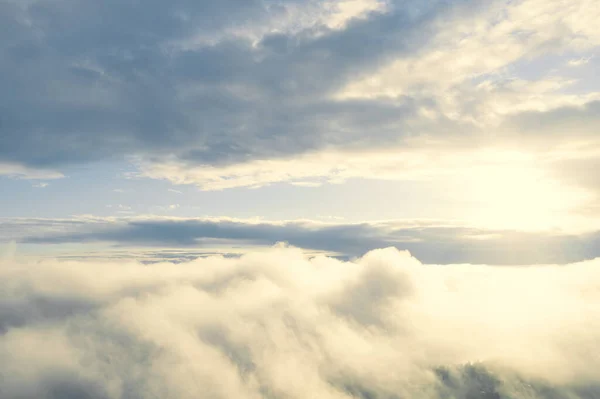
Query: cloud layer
[(431, 241), (276, 324), (229, 93)]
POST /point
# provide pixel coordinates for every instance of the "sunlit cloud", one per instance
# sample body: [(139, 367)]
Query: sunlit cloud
[(277, 322), (498, 188)]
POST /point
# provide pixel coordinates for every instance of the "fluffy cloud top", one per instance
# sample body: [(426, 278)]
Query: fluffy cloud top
[(277, 324)]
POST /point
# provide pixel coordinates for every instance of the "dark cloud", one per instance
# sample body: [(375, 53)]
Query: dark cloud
[(84, 81), (430, 243)]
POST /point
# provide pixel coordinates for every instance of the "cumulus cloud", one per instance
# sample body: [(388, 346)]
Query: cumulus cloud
[(279, 324)]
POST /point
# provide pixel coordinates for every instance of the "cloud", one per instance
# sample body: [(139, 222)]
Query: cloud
[(189, 90), (120, 208), (484, 44), (575, 62), (431, 241), (509, 187), (20, 172), (306, 184), (173, 79), (278, 324)]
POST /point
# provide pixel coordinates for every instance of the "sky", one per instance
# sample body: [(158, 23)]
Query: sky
[(452, 126), (337, 199)]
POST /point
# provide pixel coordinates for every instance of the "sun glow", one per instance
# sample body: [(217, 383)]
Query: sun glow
[(522, 196)]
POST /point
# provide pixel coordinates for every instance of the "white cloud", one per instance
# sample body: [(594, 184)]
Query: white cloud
[(289, 18), (575, 62), (41, 185), (21, 172), (276, 323), (120, 208), (306, 183), (485, 43), (499, 187), (346, 10)]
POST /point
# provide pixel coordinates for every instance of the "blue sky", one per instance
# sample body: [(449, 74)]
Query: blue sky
[(481, 116)]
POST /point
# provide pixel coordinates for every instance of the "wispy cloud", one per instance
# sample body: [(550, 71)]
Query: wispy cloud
[(18, 171), (575, 62), (306, 183)]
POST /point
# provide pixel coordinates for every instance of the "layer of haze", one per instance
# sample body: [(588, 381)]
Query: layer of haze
[(278, 324)]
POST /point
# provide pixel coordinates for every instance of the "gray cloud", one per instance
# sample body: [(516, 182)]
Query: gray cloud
[(582, 121), (102, 81), (276, 324), (438, 244), (91, 81)]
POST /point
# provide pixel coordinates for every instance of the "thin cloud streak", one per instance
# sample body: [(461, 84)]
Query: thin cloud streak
[(432, 242)]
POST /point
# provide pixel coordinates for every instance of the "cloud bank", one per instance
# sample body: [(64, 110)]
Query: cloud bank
[(279, 325), (431, 241)]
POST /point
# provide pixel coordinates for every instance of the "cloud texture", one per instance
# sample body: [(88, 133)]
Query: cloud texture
[(232, 93), (279, 325)]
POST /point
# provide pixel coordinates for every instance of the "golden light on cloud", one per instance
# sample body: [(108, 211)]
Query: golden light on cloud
[(497, 187)]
